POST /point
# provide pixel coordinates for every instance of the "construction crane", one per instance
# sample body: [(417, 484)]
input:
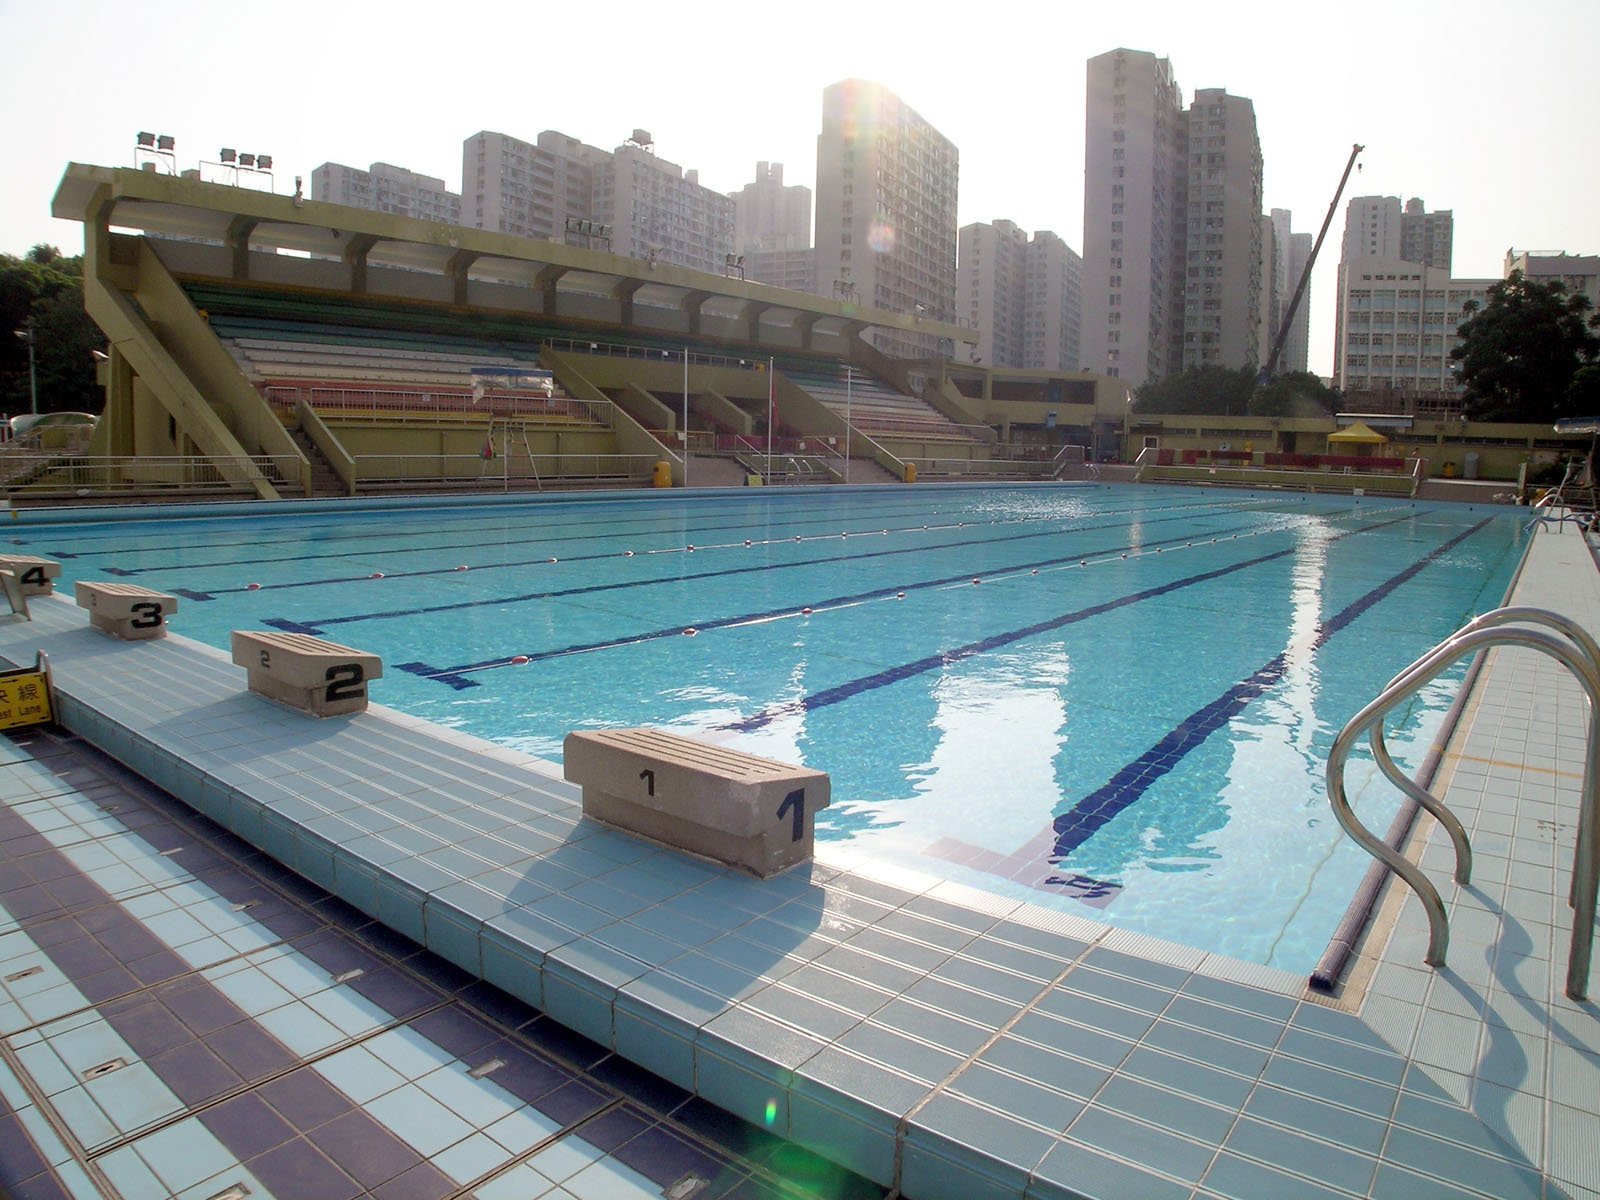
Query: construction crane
[(1271, 366)]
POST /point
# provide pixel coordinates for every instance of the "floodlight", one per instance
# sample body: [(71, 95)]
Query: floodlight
[(264, 162), (247, 160), (147, 140), (165, 141), (227, 155)]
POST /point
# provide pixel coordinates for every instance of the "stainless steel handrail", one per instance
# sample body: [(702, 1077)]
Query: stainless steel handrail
[(1581, 655)]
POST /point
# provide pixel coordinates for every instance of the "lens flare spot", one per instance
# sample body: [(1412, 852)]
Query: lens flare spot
[(772, 1111)]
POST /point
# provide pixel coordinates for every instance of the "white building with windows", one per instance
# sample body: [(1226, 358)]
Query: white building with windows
[(383, 187), (772, 231), (661, 213), (1580, 272), (1399, 321), (886, 209), (1022, 295), (1134, 211), (1223, 250), (528, 189)]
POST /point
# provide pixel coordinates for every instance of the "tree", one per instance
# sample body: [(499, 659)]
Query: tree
[(1293, 394), (1518, 354), (1583, 393), (43, 291), (1201, 391)]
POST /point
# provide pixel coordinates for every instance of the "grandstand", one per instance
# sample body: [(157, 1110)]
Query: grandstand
[(269, 346)]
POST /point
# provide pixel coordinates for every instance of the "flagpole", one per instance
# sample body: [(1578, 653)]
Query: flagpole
[(686, 416), (772, 395)]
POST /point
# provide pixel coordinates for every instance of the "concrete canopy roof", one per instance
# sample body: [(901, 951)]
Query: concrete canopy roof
[(122, 198)]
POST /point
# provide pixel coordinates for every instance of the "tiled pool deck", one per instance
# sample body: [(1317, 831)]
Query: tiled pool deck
[(930, 1038)]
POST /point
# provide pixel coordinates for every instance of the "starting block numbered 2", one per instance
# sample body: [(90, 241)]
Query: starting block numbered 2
[(322, 678), (126, 610)]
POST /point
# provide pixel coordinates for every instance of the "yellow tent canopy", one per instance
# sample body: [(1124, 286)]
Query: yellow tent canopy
[(1355, 434)]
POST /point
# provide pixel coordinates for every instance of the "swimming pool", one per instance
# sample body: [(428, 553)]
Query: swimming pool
[(1108, 699)]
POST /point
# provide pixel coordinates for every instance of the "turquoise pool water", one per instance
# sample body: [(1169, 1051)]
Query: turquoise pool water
[(1111, 700)]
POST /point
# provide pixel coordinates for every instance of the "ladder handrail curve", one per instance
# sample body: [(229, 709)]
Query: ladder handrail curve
[(1380, 751), (1575, 658)]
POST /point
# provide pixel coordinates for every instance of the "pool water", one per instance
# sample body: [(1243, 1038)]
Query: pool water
[(1112, 700)]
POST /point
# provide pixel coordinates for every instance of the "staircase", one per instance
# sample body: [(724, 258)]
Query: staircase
[(325, 480)]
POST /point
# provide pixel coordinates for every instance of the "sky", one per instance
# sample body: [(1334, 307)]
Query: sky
[(1485, 108)]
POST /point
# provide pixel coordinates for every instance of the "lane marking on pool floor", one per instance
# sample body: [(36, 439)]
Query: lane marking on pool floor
[(456, 676)]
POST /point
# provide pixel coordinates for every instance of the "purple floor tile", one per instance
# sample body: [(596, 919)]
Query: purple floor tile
[(305, 1098), (250, 1050), (247, 1126), (193, 1073), (364, 1149), (422, 1182), (298, 1168)]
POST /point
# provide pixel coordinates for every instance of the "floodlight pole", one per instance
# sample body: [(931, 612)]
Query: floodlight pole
[(26, 334), (849, 379)]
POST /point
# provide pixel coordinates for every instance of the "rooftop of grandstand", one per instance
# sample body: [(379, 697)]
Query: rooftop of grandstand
[(308, 235)]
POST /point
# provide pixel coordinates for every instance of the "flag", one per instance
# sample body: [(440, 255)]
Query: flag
[(488, 446)]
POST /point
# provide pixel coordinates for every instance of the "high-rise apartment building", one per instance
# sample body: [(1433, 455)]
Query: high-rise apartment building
[(659, 212), (528, 189), (886, 209), (1134, 214), (1427, 237), (1223, 256), (992, 288), (386, 188), (1283, 262), (1274, 280), (1023, 296), (1053, 305), (770, 215), (772, 230), (1296, 353), (655, 209)]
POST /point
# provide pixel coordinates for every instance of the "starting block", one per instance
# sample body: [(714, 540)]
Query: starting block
[(748, 812), (322, 678), (36, 575), (126, 610)]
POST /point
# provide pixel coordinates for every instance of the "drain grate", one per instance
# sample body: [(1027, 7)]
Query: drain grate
[(105, 1068), (488, 1068), (24, 974)]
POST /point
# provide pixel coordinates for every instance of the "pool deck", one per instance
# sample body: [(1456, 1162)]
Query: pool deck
[(929, 1037)]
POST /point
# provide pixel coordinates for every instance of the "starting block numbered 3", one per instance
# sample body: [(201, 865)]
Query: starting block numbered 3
[(322, 678), (126, 610)]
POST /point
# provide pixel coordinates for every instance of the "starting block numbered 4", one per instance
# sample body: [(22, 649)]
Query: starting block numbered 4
[(322, 678), (126, 610), (36, 575)]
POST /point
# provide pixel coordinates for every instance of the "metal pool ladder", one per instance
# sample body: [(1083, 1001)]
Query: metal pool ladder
[(1579, 653)]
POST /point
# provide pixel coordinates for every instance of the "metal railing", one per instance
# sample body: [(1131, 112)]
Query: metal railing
[(503, 470), (122, 475), (1577, 651), (404, 407)]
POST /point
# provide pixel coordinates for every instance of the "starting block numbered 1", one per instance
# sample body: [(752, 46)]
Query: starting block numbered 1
[(126, 610)]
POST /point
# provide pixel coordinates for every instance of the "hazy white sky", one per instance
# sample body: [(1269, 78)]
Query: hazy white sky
[(1485, 107)]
